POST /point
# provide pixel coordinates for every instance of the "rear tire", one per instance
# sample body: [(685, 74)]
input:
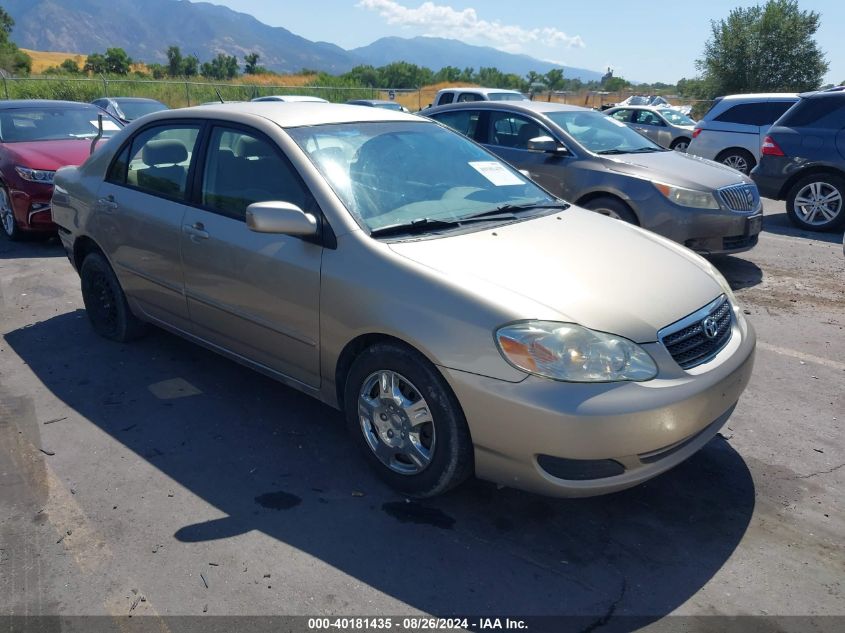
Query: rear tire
[(737, 158), (106, 303), (817, 202), (407, 422), (612, 207), (7, 217), (680, 144)]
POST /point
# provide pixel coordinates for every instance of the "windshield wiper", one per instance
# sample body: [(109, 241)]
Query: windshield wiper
[(510, 209), (611, 151), (420, 225), (647, 150)]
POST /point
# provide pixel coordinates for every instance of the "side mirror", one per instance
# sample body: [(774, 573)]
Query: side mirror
[(280, 217), (546, 144)]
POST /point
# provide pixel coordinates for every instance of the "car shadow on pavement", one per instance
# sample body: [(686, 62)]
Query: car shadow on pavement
[(779, 224), (31, 247), (740, 273), (277, 461)]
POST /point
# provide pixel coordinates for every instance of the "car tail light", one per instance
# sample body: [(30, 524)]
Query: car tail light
[(770, 148), (696, 132)]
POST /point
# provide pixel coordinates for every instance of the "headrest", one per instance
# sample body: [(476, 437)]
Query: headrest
[(252, 148), (164, 152)]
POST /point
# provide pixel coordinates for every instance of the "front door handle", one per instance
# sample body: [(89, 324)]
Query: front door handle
[(108, 203), (196, 231)]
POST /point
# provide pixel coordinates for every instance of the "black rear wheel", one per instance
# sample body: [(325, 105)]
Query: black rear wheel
[(612, 207), (105, 302)]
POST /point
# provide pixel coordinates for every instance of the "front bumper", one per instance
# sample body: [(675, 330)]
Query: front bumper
[(643, 428), (33, 212), (706, 231)]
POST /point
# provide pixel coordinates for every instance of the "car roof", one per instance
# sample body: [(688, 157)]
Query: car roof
[(758, 96), (479, 90), (830, 93), (9, 104), (353, 101), (134, 99), (656, 108), (539, 107), (288, 114)]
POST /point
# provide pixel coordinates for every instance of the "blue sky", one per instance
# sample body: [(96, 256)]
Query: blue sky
[(642, 41)]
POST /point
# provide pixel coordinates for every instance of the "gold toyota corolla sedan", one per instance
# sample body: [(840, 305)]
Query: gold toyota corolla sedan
[(465, 320)]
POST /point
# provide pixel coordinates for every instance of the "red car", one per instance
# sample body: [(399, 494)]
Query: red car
[(36, 138)]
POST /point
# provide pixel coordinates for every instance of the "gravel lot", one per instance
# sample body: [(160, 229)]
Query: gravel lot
[(157, 478)]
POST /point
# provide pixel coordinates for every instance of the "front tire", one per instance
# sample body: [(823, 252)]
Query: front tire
[(612, 207), (739, 159), (7, 217), (105, 301), (407, 422), (815, 202)]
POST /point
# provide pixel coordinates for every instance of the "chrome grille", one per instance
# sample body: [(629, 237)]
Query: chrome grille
[(741, 198), (688, 340)]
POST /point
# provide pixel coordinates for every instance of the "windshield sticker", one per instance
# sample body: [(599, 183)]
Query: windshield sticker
[(496, 173), (108, 126)]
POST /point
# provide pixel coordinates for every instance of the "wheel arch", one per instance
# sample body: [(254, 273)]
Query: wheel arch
[(357, 345), (815, 170), (593, 195), (82, 247)]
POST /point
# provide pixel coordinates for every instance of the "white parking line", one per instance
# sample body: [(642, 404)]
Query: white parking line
[(807, 358)]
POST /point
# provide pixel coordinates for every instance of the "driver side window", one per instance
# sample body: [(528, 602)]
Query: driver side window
[(513, 130), (242, 168)]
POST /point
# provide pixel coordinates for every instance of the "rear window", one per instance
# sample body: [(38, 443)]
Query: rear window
[(762, 113), (821, 113)]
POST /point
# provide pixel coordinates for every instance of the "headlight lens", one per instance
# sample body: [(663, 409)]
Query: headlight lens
[(35, 175), (688, 197), (569, 352)]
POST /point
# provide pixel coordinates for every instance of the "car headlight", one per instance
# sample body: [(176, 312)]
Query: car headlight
[(688, 197), (569, 352), (35, 175)]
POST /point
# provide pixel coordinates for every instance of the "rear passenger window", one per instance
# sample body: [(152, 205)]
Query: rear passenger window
[(763, 113), (242, 168), (465, 121), (159, 159), (622, 115), (826, 113), (469, 96)]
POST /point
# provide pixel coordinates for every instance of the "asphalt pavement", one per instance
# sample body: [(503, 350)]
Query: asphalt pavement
[(157, 478)]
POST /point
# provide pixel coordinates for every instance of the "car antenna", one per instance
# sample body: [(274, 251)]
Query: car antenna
[(219, 96), (99, 134)]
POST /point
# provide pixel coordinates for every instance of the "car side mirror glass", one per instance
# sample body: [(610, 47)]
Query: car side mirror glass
[(281, 217), (546, 144)]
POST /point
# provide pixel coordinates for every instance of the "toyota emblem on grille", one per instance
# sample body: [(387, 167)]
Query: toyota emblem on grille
[(710, 326)]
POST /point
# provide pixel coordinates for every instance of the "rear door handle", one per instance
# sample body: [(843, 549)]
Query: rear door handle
[(108, 203), (196, 231)]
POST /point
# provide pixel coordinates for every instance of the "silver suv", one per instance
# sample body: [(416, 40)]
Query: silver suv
[(733, 128)]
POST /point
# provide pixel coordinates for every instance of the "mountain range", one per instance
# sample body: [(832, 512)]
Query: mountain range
[(145, 30)]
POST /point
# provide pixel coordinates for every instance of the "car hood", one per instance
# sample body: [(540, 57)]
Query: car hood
[(583, 267), (50, 155), (676, 168)]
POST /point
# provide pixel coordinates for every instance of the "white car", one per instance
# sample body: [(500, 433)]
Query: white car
[(734, 127), (459, 95)]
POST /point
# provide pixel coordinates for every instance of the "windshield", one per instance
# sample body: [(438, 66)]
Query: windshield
[(506, 96), (601, 134), (389, 106), (389, 173), (22, 125), (676, 118), (135, 109)]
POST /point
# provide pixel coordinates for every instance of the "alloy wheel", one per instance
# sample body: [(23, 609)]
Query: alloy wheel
[(818, 203), (737, 162), (396, 422), (681, 147)]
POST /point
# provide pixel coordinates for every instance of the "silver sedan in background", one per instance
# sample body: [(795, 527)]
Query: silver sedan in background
[(464, 319), (667, 127)]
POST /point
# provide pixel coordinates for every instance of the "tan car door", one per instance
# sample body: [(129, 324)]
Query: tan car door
[(140, 211), (255, 295)]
